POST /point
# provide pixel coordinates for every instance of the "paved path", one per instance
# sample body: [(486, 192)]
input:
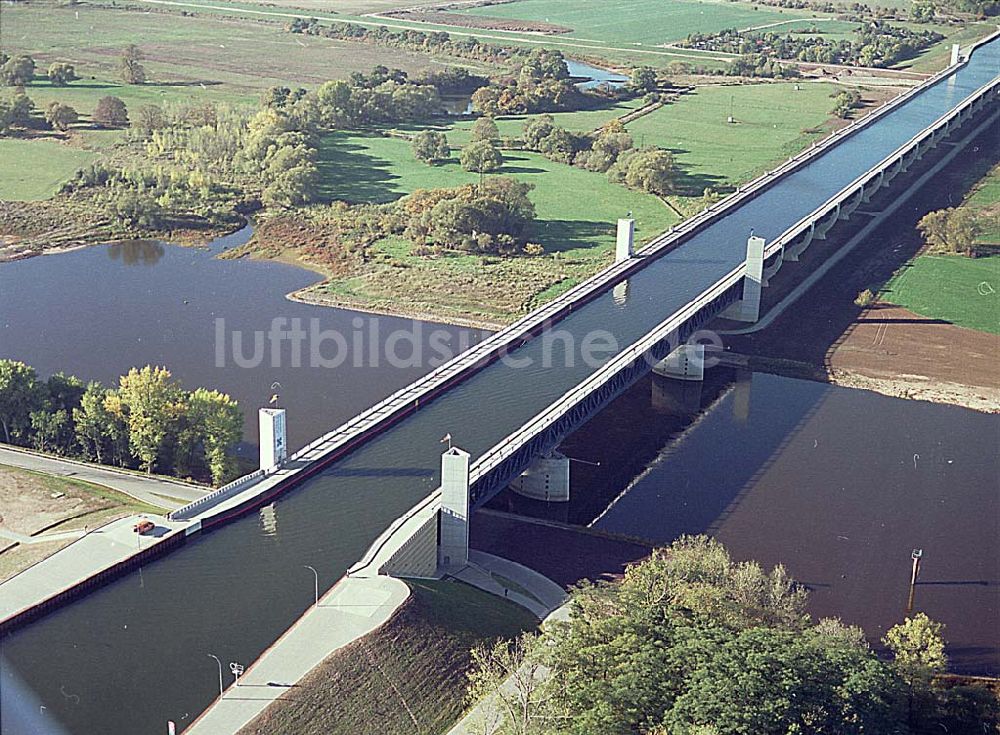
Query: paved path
[(153, 490), (95, 551), (354, 607), (513, 581)]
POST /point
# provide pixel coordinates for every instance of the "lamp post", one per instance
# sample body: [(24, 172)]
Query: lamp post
[(218, 661), (315, 584)]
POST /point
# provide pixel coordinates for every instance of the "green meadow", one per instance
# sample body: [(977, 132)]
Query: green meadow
[(961, 290)]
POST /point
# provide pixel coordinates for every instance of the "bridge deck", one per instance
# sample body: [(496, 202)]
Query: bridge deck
[(234, 591)]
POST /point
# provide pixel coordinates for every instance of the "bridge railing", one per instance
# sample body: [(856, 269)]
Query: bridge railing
[(846, 192)]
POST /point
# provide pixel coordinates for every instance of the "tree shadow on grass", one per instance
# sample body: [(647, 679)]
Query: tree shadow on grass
[(690, 184), (350, 173), (561, 235)]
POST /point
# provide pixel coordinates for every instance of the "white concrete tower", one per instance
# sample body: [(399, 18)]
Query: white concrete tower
[(956, 54), (273, 443), (626, 235), (453, 541), (747, 309)]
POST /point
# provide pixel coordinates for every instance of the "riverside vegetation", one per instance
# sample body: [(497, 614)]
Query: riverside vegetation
[(146, 422), (691, 642)]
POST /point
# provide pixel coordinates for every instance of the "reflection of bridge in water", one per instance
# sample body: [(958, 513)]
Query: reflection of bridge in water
[(142, 640)]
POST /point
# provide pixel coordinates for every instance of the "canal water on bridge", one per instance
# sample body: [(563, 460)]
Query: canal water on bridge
[(134, 654)]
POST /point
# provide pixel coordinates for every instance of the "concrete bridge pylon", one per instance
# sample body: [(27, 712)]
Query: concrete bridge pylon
[(747, 309), (453, 538)]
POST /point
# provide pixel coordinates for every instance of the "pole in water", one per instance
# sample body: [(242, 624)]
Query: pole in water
[(915, 556)]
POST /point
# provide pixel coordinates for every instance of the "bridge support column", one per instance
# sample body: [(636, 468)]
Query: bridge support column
[(823, 227), (546, 479), (792, 253), (771, 270), (453, 538), (850, 205), (273, 445), (747, 309), (869, 189), (623, 244), (687, 362)]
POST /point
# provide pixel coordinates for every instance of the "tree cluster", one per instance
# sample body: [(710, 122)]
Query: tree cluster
[(845, 101), (610, 150), (16, 71), (952, 230), (691, 642), (489, 217), (874, 45), (147, 421), (541, 84)]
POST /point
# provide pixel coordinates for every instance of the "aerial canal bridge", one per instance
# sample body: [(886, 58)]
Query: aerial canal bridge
[(377, 488)]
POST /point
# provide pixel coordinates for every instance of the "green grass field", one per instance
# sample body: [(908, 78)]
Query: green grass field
[(963, 291), (576, 208), (33, 170), (406, 677), (639, 21), (985, 203), (771, 120)]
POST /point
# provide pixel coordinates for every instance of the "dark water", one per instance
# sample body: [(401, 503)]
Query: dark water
[(839, 485), (98, 311)]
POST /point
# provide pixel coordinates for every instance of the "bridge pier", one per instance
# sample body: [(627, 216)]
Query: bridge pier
[(823, 227), (687, 362), (624, 241), (850, 205), (775, 266), (747, 309), (869, 189), (792, 253), (453, 536), (546, 479)]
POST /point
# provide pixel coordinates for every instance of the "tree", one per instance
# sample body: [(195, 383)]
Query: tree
[(219, 422), (17, 71), (149, 118), (537, 129), (151, 403), (20, 394), (950, 230), (917, 647), (481, 157), (431, 147), (644, 79), (133, 72), (773, 681), (61, 116), (48, 427), (647, 169), (110, 113), (96, 427), (485, 128), (511, 676), (15, 111), (61, 74)]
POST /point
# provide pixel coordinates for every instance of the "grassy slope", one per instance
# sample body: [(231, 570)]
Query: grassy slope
[(770, 118), (951, 288), (423, 651), (644, 21)]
